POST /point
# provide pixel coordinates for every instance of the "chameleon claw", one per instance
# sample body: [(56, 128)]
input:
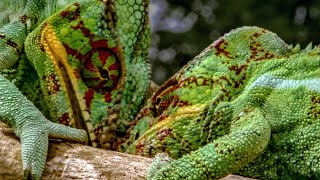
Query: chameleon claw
[(27, 174)]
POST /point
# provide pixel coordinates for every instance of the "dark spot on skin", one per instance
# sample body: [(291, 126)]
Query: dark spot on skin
[(162, 117), (71, 14), (65, 119), (88, 96), (164, 133), (84, 30), (238, 69), (256, 34), (107, 97), (11, 43), (52, 83), (221, 45), (97, 130), (24, 19), (136, 136), (257, 51)]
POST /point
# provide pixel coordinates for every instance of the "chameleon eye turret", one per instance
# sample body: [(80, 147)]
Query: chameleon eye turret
[(101, 69)]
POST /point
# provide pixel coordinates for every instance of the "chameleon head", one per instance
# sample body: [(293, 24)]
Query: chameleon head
[(91, 59)]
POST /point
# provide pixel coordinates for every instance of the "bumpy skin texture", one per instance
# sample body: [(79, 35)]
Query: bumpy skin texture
[(248, 105), (81, 63)]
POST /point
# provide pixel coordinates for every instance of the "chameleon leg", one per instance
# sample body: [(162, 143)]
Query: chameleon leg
[(12, 37), (34, 147), (248, 137), (31, 126)]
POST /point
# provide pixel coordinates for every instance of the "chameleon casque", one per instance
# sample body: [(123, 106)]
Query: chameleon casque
[(248, 104)]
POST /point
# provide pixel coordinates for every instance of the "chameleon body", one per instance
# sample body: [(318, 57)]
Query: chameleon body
[(248, 104)]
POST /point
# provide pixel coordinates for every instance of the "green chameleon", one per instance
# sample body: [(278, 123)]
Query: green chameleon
[(248, 104)]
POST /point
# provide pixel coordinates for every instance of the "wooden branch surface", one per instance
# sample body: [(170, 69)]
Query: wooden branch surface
[(68, 160)]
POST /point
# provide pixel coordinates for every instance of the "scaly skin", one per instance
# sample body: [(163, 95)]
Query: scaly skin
[(82, 63), (248, 105)]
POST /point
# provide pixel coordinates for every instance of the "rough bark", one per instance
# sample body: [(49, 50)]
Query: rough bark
[(68, 160)]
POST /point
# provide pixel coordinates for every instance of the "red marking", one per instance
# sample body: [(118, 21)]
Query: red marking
[(100, 85), (238, 69), (258, 53), (114, 66), (84, 30), (88, 65), (73, 52), (256, 34), (64, 119), (70, 14), (64, 13), (172, 83), (52, 83), (163, 116), (107, 97), (103, 44), (99, 44), (56, 87), (103, 56), (221, 50), (88, 97), (164, 133), (114, 78), (176, 102)]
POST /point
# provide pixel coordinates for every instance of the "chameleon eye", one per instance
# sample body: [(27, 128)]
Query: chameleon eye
[(101, 70)]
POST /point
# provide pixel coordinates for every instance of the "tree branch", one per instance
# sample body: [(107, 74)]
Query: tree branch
[(68, 160)]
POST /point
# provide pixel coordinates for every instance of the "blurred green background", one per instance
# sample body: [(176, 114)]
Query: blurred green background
[(182, 29)]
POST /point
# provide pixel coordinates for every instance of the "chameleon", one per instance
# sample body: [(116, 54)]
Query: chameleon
[(71, 69), (247, 104)]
